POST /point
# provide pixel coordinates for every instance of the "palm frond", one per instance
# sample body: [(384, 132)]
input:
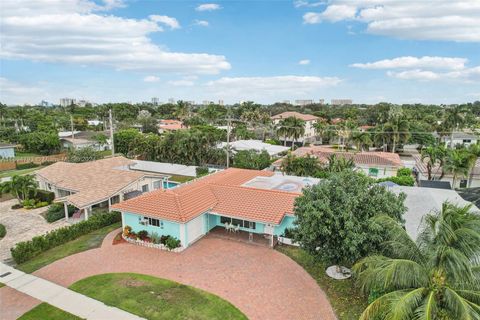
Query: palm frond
[(428, 309), (460, 307)]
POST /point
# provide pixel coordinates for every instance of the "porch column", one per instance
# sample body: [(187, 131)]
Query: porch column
[(87, 212), (271, 241), (65, 208), (109, 204)]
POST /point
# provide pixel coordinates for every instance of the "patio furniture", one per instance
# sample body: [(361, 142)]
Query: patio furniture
[(237, 228), (227, 226)]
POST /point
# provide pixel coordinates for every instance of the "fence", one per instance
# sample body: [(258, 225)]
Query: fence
[(11, 164)]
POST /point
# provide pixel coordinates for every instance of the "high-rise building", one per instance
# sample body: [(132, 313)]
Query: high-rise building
[(171, 100), (155, 101), (207, 102), (220, 102), (341, 102), (304, 102), (321, 101), (65, 102), (286, 101)]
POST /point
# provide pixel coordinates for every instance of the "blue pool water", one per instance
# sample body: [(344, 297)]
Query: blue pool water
[(169, 184)]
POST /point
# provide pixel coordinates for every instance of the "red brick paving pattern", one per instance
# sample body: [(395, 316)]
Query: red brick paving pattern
[(263, 283), (13, 303)]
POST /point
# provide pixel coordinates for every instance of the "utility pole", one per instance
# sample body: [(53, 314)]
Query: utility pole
[(229, 123), (111, 131)]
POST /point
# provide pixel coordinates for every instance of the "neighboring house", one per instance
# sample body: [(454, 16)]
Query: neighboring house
[(310, 120), (472, 180), (460, 138), (166, 169), (257, 145), (7, 151), (81, 139), (259, 203), (422, 201), (374, 164), (93, 184), (94, 122), (170, 125)]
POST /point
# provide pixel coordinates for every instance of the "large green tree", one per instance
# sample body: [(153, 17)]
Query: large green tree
[(251, 159), (20, 186), (458, 164), (41, 142), (435, 277), (334, 217)]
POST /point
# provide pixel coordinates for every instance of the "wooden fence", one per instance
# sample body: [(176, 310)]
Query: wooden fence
[(11, 164)]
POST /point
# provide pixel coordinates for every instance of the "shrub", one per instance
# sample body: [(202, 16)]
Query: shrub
[(47, 163), (288, 233), (401, 181), (44, 196), (404, 172), (3, 231), (29, 203), (155, 238), (57, 212), (41, 204), (201, 171), (28, 165), (17, 206), (163, 239), (142, 234), (26, 250), (172, 243)]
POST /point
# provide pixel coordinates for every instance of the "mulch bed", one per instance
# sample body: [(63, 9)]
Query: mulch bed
[(118, 239)]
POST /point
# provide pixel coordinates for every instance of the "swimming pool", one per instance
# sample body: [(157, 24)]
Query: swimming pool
[(169, 184)]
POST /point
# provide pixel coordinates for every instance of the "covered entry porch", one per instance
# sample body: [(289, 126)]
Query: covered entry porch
[(238, 229)]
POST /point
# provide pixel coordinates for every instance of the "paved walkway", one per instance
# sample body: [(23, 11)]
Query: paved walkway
[(263, 283), (60, 297), (22, 225)]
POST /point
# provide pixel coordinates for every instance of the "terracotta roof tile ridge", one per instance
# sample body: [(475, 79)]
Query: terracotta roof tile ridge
[(179, 207)]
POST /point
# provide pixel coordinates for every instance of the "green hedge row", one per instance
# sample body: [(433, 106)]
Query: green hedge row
[(28, 165), (27, 250), (57, 212), (3, 231)]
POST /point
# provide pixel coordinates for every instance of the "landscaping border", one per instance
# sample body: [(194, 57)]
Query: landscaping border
[(151, 244)]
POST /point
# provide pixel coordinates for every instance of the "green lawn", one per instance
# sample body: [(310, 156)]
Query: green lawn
[(21, 154), (88, 241), (46, 311), (180, 179), (2, 285), (11, 173), (346, 300), (155, 298)]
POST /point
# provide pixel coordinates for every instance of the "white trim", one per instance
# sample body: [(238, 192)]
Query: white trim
[(182, 234)]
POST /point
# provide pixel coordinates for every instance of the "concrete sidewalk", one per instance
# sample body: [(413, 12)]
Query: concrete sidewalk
[(60, 297)]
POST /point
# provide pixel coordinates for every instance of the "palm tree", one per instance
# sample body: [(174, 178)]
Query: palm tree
[(182, 110), (320, 129), (454, 120), (339, 164), (434, 278), (291, 127), (361, 140), (474, 151), (435, 156), (397, 126), (20, 187), (458, 163)]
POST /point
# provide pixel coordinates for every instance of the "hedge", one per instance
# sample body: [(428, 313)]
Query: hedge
[(27, 250), (3, 231), (45, 196), (57, 212), (401, 181), (28, 165)]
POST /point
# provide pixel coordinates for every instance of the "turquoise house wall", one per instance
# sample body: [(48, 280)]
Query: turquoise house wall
[(169, 228), (287, 222)]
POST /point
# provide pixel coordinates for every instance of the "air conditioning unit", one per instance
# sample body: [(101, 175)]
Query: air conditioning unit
[(143, 221)]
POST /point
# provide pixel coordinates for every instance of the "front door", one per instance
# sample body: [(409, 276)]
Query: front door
[(268, 229)]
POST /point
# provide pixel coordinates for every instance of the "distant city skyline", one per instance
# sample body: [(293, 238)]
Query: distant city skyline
[(119, 50)]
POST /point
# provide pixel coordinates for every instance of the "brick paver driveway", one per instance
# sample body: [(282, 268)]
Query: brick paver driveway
[(22, 225), (261, 282)]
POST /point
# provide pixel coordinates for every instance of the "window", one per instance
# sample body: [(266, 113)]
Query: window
[(153, 222), (237, 222), (467, 140), (157, 184), (145, 188)]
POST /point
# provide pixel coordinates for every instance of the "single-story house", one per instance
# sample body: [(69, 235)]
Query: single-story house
[(422, 201), (96, 184), (257, 145), (83, 139), (170, 125), (166, 169), (373, 163), (460, 138), (470, 181), (7, 151), (255, 202)]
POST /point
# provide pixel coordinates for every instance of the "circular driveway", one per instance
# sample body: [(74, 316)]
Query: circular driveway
[(261, 282)]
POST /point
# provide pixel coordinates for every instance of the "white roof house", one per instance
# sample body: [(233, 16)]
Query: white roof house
[(164, 168), (256, 145), (422, 201)]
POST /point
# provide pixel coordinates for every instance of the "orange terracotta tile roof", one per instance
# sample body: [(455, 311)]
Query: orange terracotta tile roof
[(171, 125), (91, 181), (221, 193), (359, 158), (298, 115)]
